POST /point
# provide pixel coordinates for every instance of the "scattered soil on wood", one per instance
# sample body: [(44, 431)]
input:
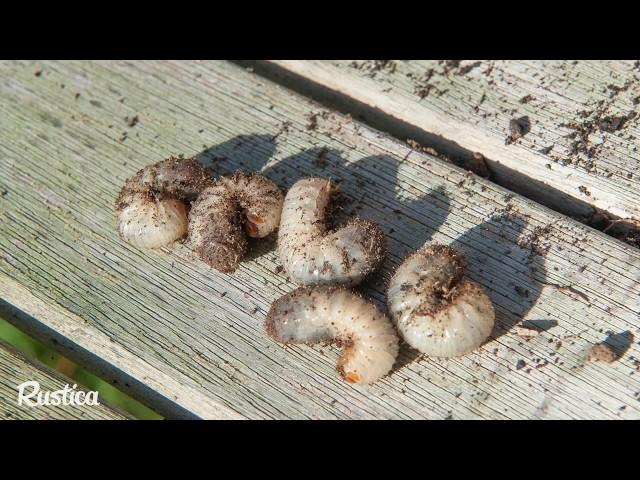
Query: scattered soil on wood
[(546, 150), (372, 67), (467, 68), (613, 124), (449, 65), (423, 90), (584, 190), (284, 128), (453, 66), (321, 160), (582, 152), (422, 85), (312, 123), (534, 241), (131, 121)]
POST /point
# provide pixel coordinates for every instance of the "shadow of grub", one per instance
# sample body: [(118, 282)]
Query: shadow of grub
[(243, 152), (507, 265), (312, 162), (414, 220), (540, 325), (238, 153), (408, 222), (500, 259), (511, 273), (368, 189), (619, 342), (257, 247), (411, 221), (406, 356)]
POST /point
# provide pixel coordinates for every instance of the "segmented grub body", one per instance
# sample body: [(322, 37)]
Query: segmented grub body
[(222, 210), (310, 253), (152, 207), (322, 314), (435, 308)]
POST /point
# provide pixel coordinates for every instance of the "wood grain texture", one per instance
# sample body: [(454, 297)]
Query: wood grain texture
[(15, 369), (167, 320), (582, 147)]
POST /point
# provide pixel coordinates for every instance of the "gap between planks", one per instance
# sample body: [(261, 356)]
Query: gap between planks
[(609, 207), (71, 336)]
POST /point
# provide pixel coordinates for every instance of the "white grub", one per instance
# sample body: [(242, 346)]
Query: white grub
[(321, 314), (217, 218), (310, 253), (436, 309), (152, 207)]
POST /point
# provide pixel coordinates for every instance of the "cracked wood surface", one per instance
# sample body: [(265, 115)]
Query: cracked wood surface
[(184, 338)]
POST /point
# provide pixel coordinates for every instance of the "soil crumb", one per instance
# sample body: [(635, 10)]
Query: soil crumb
[(467, 68), (527, 331), (372, 67), (518, 128), (131, 122), (602, 353), (613, 124), (312, 122), (584, 190)]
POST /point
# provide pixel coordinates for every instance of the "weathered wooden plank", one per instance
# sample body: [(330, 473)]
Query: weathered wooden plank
[(172, 394), (16, 369), (582, 147), (167, 320)]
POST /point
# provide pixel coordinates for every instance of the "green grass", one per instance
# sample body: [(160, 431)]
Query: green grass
[(35, 349)]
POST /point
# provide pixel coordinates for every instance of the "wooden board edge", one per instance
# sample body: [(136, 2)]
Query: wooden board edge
[(171, 396)]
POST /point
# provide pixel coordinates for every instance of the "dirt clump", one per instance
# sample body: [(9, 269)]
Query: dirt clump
[(602, 353)]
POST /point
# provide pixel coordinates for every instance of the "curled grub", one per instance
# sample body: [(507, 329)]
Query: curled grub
[(238, 202), (152, 207), (435, 307), (311, 253), (323, 314)]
